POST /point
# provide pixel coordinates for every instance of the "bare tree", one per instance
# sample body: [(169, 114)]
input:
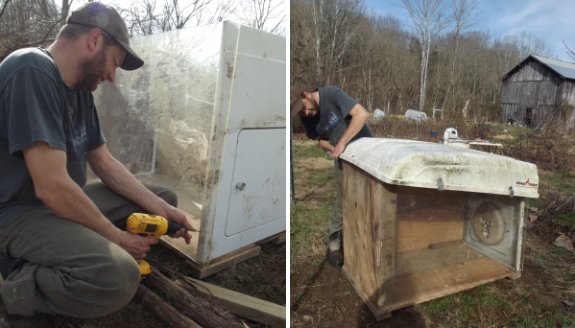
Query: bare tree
[(570, 52), (380, 63), (332, 26), (141, 17), (27, 23), (146, 17), (461, 13), (528, 44), (428, 21), (266, 15)]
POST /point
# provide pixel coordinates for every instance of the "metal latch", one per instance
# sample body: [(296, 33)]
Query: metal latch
[(440, 184)]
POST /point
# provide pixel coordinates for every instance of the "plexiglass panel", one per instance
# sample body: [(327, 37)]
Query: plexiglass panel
[(157, 120)]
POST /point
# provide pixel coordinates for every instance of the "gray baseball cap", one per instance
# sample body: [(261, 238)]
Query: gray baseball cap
[(106, 18)]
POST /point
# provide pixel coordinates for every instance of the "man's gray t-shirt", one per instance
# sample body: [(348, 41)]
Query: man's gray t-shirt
[(36, 106), (334, 108)]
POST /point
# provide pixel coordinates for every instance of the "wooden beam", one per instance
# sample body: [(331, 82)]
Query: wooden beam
[(245, 306), (224, 262), (207, 314), (163, 310)]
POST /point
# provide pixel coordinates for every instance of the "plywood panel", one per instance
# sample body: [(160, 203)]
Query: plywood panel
[(419, 228), (424, 275), (464, 272), (369, 233), (179, 245), (426, 217)]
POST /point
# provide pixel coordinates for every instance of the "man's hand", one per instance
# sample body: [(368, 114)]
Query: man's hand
[(136, 245), (116, 177), (338, 150), (358, 117), (178, 216)]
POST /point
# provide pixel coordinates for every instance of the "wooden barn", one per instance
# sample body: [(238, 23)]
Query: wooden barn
[(539, 90)]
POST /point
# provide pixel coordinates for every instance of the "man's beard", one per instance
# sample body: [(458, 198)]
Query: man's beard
[(91, 72)]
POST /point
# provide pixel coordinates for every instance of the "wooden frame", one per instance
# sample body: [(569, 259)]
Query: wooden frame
[(404, 246)]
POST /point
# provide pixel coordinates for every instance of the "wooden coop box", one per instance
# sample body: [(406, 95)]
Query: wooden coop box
[(424, 220)]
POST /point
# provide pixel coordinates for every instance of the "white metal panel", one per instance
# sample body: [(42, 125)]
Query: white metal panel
[(251, 95), (257, 194), (430, 165), (494, 227), (258, 77)]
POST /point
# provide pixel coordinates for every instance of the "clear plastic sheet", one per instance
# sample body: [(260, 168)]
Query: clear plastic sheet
[(157, 120)]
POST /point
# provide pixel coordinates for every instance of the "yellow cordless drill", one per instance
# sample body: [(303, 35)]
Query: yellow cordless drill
[(148, 225)]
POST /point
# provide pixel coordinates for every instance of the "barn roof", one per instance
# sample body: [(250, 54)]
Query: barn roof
[(564, 69)]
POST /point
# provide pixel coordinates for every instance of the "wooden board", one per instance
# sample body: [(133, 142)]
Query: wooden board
[(369, 230), (189, 252), (277, 239), (438, 281), (426, 217), (179, 245), (468, 269), (200, 270), (245, 306)]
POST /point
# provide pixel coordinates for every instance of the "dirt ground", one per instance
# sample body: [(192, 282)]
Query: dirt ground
[(263, 277), (322, 296)]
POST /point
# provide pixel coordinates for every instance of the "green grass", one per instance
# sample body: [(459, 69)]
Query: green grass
[(438, 306), (461, 309), (558, 181), (534, 202), (308, 222), (551, 320), (570, 277), (565, 220), (319, 177), (512, 130), (308, 150), (562, 182)]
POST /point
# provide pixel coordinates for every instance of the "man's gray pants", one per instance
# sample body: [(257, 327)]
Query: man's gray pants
[(70, 269), (336, 222)]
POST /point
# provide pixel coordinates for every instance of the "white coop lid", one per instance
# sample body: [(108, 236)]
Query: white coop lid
[(432, 165)]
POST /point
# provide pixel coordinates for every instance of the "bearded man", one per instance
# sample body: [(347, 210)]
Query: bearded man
[(62, 249)]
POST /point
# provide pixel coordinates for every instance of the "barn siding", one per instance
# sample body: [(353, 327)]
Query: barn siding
[(568, 97), (534, 85)]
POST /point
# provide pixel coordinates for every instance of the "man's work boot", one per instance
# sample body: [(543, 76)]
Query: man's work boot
[(335, 249)]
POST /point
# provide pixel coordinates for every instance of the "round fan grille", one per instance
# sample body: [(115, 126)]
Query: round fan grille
[(487, 224)]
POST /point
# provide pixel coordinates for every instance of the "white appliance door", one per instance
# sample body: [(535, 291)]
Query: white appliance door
[(258, 188)]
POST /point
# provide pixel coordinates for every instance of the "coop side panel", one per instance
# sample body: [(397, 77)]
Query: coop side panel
[(369, 227), (427, 218), (251, 99), (228, 50)]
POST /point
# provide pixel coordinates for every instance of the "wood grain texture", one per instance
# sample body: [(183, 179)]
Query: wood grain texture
[(404, 246), (243, 305)]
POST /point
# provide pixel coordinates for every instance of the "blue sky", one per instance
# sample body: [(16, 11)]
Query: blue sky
[(550, 20)]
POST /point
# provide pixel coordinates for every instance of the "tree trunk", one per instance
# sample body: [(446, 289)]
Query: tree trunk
[(163, 310), (206, 314)]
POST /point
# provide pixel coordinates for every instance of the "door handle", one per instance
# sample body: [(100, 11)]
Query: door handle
[(240, 186)]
